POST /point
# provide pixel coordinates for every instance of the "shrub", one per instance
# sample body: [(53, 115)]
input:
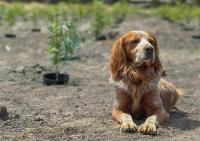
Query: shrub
[(12, 12), (181, 12), (63, 39), (119, 11), (101, 18)]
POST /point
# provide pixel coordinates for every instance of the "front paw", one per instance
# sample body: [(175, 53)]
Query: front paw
[(128, 126), (147, 128)]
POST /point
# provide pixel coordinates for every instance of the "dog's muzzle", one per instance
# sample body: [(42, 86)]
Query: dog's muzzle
[(149, 52)]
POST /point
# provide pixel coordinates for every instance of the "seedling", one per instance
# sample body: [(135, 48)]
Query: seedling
[(119, 11), (11, 14), (10, 18), (63, 40), (101, 18)]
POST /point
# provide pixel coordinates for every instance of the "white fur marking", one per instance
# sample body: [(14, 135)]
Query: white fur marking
[(153, 119), (140, 32), (143, 42), (143, 36), (119, 84)]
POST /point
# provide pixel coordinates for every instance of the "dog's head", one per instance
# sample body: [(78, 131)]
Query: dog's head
[(135, 48)]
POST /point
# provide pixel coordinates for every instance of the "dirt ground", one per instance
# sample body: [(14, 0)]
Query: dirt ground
[(81, 110)]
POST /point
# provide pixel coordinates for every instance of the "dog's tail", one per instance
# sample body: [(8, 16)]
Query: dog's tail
[(180, 92)]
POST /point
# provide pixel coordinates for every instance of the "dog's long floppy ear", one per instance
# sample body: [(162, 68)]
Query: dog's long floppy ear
[(117, 59), (157, 64)]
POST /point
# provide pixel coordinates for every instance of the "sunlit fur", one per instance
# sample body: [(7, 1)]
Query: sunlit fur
[(139, 89)]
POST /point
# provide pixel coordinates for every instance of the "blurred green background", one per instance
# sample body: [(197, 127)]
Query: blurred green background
[(100, 13)]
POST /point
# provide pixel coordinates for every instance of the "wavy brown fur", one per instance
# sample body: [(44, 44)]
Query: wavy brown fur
[(139, 89)]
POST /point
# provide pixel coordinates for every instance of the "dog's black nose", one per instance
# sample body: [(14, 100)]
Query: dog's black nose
[(149, 48)]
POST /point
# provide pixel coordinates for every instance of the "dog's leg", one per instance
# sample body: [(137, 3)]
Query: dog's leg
[(156, 113), (121, 111), (127, 124)]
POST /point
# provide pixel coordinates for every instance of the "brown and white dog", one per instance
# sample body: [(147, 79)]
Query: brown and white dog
[(135, 70)]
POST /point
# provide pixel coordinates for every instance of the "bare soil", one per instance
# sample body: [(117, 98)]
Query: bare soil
[(81, 110)]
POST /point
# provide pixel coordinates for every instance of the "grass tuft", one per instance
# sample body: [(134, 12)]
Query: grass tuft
[(180, 12)]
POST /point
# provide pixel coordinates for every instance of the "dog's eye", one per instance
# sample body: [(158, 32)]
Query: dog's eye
[(134, 42), (153, 42)]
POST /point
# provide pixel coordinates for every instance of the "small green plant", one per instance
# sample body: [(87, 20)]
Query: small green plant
[(119, 11), (180, 12), (33, 17), (101, 18), (63, 40), (10, 18), (11, 14)]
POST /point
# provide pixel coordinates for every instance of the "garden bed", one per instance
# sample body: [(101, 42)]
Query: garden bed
[(81, 109)]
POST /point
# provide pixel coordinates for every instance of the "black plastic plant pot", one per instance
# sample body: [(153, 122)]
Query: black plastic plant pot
[(196, 36), (51, 79), (35, 30), (73, 58), (10, 35)]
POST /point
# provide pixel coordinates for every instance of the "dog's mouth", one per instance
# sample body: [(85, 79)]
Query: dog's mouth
[(149, 59), (149, 56)]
